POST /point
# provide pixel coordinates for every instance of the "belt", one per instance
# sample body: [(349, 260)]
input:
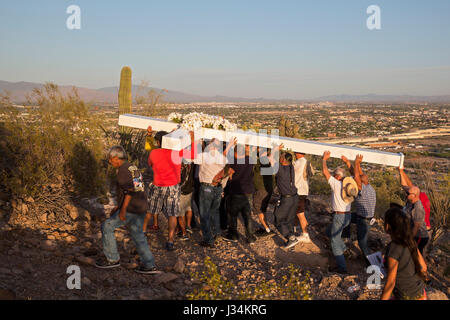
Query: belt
[(209, 184), (340, 212), (288, 196)]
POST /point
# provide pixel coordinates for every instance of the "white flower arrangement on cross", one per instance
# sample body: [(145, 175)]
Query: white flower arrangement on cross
[(196, 120)]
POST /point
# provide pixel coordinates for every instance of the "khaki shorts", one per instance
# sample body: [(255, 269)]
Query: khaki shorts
[(185, 204), (261, 200), (302, 203)]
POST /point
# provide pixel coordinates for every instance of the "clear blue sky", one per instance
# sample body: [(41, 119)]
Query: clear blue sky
[(279, 49)]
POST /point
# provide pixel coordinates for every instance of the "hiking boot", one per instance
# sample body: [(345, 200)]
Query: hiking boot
[(231, 237), (207, 244), (147, 270), (304, 238), (291, 242), (170, 246), (251, 239), (104, 263), (335, 269)]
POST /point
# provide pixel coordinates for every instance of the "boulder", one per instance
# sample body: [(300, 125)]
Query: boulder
[(166, 277), (48, 245), (331, 282), (179, 266), (86, 260), (86, 281), (434, 294)]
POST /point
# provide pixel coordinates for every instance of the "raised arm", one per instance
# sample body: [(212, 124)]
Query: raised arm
[(358, 170), (271, 156), (349, 165), (231, 144), (404, 179), (326, 173)]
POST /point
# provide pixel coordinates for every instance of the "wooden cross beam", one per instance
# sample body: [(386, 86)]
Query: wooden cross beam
[(179, 139)]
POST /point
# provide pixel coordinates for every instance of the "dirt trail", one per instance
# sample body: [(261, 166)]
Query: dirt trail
[(34, 259)]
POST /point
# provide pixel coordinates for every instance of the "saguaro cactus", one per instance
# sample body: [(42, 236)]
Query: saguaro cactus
[(125, 97), (287, 128)]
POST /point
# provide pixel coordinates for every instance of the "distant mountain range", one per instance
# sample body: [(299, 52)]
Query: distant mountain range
[(19, 90)]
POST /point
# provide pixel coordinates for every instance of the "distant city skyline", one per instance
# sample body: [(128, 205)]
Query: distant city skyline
[(259, 49)]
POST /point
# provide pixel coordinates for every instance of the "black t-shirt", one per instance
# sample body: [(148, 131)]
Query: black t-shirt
[(242, 181), (286, 180), (408, 284), (130, 181), (187, 178)]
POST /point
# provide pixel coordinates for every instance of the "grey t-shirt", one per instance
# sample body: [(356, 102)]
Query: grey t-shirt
[(408, 284), (417, 214)]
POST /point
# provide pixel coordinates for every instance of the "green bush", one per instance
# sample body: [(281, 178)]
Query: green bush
[(388, 189), (58, 142), (215, 287)]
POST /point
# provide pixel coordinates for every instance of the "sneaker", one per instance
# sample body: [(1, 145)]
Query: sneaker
[(170, 246), (189, 230), (251, 239), (207, 244), (292, 242), (104, 263), (145, 270), (304, 238), (154, 228), (183, 237), (231, 237)]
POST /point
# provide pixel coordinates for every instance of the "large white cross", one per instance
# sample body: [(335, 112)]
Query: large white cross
[(179, 139)]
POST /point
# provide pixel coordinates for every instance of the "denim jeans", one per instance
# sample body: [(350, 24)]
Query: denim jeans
[(134, 223), (334, 232), (240, 203), (363, 227), (284, 215), (210, 198)]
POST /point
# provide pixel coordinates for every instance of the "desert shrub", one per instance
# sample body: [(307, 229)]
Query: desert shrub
[(57, 143), (215, 287), (439, 196), (318, 185), (388, 189)]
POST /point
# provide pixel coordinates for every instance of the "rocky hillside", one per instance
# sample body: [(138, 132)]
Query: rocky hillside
[(35, 254)]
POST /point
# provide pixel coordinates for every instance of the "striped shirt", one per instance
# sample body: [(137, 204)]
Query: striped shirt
[(366, 201)]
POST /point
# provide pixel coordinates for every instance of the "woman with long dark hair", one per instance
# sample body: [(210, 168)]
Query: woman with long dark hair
[(406, 268)]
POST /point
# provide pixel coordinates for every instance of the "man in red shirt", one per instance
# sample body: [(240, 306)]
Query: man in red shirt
[(164, 191)]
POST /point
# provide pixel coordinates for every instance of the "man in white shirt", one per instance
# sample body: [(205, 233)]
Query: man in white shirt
[(301, 168), (341, 214), (212, 175)]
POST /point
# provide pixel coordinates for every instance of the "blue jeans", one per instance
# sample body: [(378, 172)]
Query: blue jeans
[(134, 223), (239, 203), (363, 227), (334, 231), (209, 199), (284, 215)]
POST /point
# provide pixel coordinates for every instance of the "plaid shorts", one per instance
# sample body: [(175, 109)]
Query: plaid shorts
[(164, 200)]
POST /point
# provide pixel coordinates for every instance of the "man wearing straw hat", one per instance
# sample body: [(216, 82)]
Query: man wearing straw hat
[(343, 192)]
